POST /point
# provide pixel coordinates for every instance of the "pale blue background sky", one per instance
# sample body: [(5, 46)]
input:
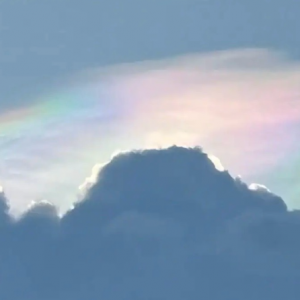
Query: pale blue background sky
[(157, 224), (42, 40)]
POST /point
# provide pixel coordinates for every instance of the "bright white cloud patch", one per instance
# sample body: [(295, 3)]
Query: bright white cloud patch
[(258, 187), (217, 163), (89, 181), (241, 105)]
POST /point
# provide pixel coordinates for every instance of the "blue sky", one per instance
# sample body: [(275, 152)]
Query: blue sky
[(42, 41), (83, 83), (46, 44)]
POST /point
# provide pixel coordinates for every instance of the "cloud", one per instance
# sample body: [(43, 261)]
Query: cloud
[(240, 104), (155, 224)]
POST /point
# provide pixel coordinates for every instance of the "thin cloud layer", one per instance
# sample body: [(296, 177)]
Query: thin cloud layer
[(241, 105), (245, 101), (156, 224)]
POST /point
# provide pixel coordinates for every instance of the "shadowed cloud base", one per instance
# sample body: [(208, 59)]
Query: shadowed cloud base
[(155, 224)]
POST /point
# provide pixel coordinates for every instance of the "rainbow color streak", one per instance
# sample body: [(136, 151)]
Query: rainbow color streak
[(242, 106)]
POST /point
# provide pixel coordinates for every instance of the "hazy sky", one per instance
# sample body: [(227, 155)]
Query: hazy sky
[(44, 40), (84, 84), (51, 54)]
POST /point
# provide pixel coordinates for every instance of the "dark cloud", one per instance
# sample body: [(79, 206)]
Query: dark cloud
[(157, 224)]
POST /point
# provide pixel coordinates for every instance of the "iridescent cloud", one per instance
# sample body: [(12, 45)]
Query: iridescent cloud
[(242, 106)]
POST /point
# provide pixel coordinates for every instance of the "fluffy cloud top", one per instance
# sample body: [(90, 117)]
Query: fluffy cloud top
[(241, 104), (156, 224)]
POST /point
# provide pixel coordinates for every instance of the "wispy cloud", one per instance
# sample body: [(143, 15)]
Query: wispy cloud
[(240, 105)]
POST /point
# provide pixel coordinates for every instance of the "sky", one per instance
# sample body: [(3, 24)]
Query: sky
[(235, 103), (149, 149), (80, 82)]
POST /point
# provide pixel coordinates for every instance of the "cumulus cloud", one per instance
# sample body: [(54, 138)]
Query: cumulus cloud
[(241, 104), (155, 224)]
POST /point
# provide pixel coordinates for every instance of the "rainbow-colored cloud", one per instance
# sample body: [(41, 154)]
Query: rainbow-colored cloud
[(241, 105)]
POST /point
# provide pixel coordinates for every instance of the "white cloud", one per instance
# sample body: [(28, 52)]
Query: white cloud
[(217, 163), (258, 187)]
